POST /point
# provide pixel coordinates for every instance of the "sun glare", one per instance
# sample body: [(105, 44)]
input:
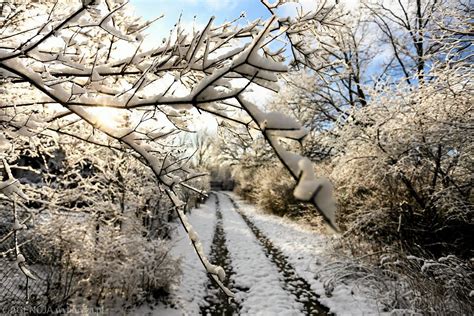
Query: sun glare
[(106, 116)]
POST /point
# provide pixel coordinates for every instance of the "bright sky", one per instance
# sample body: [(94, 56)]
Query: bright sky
[(198, 13), (203, 10)]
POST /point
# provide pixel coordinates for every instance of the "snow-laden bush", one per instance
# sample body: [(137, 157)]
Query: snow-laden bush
[(272, 192), (111, 267), (404, 163), (441, 286), (404, 285), (402, 169), (100, 228)]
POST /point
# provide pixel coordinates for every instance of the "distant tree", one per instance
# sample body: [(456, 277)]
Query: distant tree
[(201, 145), (419, 34)]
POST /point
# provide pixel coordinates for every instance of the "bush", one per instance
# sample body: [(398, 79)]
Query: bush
[(402, 169), (271, 188), (245, 184), (114, 267), (404, 284), (403, 165)]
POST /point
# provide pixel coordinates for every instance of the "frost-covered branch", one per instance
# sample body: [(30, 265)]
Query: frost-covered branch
[(88, 77)]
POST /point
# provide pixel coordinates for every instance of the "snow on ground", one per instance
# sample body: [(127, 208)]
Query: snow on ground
[(257, 281), (190, 293), (307, 251), (253, 270)]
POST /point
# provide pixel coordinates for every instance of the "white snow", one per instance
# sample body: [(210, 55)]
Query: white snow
[(190, 293), (257, 284), (20, 258), (281, 121), (308, 252), (4, 143), (11, 186), (253, 270), (18, 226)]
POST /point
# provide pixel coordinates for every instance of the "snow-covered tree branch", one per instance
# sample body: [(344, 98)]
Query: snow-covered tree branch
[(79, 70)]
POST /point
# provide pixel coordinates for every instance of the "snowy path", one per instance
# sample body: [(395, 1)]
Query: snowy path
[(191, 296), (258, 285), (308, 253), (272, 266), (295, 286)]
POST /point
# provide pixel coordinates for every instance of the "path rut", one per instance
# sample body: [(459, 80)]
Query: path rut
[(291, 282), (217, 302)]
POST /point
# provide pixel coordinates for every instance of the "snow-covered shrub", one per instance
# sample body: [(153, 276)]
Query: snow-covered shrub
[(112, 267), (245, 180), (440, 286), (402, 169), (404, 284), (244, 156), (99, 222), (105, 226), (272, 192), (403, 166), (245, 183)]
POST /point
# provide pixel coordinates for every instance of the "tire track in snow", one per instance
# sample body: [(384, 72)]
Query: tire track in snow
[(217, 302), (258, 285), (293, 283)]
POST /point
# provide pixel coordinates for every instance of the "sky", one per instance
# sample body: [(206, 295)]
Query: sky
[(198, 12), (194, 12)]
